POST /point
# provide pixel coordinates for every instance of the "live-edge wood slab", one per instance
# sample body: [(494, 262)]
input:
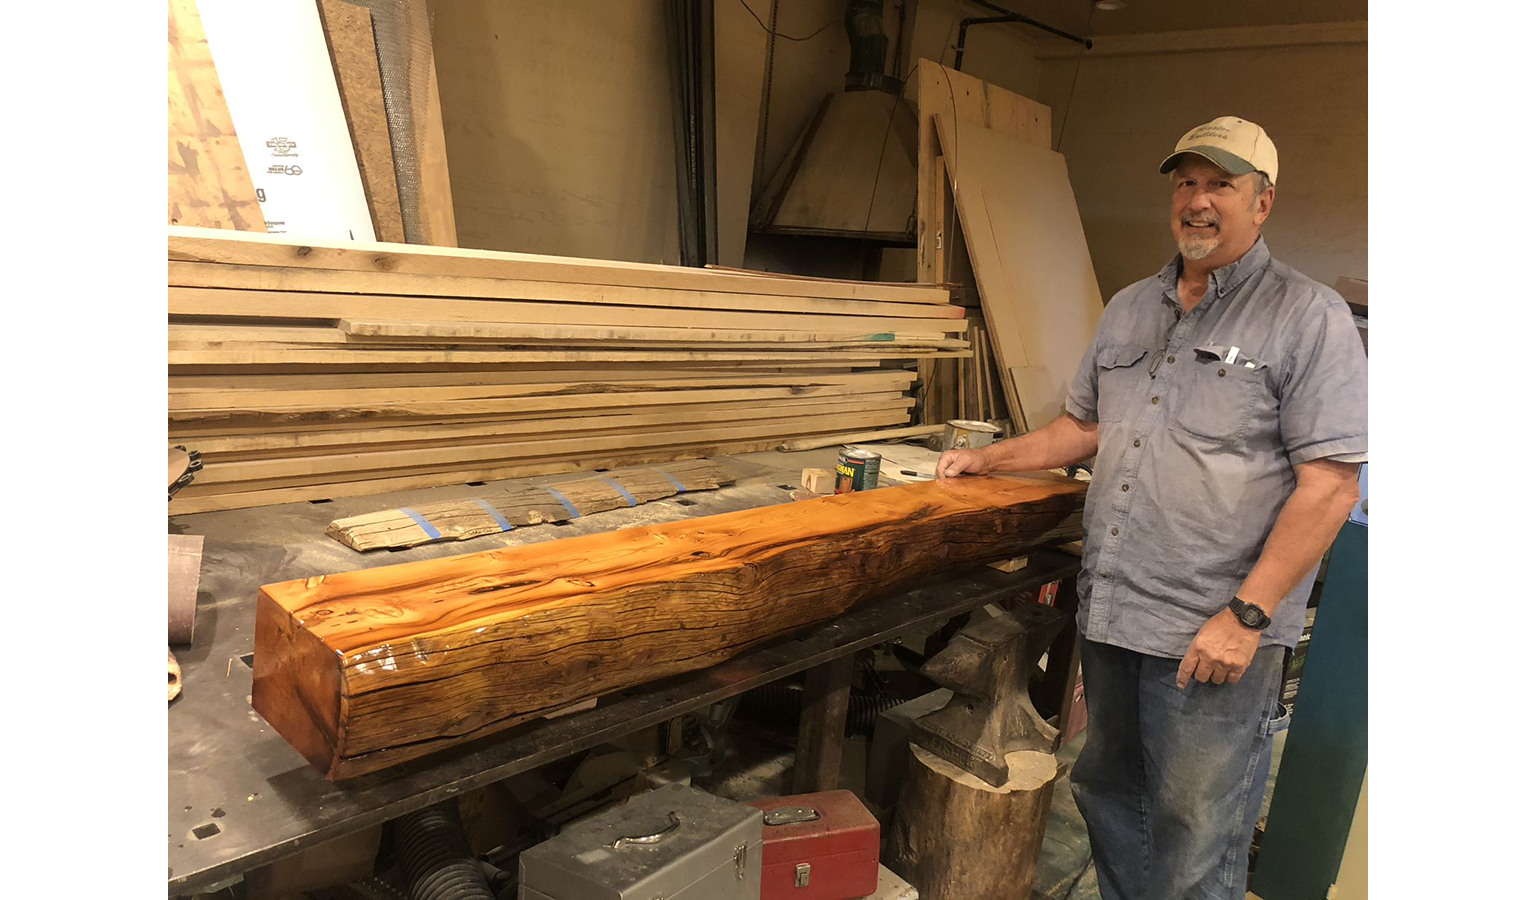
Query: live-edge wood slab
[(363, 670)]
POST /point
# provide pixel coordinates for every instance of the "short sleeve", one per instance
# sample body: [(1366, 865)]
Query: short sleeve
[(1323, 402), (1083, 394)]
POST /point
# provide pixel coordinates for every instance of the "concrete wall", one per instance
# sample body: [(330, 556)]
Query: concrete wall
[(1127, 112)]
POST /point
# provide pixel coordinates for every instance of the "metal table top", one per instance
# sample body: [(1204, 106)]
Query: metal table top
[(240, 796)]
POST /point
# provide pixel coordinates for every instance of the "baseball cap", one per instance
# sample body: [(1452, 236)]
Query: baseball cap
[(1237, 145)]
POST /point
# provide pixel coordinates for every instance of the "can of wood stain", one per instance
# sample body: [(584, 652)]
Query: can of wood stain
[(857, 470)]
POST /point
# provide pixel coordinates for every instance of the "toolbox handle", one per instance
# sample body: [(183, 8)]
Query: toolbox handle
[(654, 838), (790, 815)]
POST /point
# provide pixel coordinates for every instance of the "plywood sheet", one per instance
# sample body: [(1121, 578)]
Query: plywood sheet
[(944, 91), (355, 57), (207, 181), (1037, 283)]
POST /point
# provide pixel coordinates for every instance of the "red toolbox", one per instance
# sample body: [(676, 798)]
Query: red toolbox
[(822, 846)]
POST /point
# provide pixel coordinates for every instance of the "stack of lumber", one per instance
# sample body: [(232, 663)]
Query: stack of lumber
[(312, 371)]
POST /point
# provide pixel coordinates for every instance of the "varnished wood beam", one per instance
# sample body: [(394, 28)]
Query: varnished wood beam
[(363, 670)]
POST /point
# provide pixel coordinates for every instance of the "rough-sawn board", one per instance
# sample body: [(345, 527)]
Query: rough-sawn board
[(362, 670)]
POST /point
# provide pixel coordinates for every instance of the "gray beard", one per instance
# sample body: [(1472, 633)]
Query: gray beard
[(1196, 249)]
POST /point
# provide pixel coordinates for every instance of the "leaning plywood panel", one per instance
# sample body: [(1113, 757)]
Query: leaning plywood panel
[(355, 57), (362, 670), (208, 183), (1030, 255)]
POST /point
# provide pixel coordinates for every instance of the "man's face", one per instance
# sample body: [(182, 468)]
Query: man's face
[(1215, 212)]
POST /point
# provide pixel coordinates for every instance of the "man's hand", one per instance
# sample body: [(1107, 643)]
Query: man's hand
[(1221, 652), (962, 462)]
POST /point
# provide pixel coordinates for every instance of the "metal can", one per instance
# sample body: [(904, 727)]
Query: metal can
[(857, 470), (962, 434)]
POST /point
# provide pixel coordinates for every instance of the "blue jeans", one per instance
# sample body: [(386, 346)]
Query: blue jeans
[(1169, 781)]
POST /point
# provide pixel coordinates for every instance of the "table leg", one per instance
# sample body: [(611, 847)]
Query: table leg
[(823, 716)]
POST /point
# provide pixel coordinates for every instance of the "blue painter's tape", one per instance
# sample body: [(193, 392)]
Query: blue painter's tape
[(421, 520), (569, 506), (630, 498), (500, 519), (680, 488)]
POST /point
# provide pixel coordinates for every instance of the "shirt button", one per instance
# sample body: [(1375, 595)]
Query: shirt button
[(1125, 487), (1221, 373), (1114, 531), (1155, 399), (1136, 443), (1170, 359)]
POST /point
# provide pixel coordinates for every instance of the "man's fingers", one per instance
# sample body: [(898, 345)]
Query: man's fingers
[(1185, 668), (1218, 676), (1203, 671)]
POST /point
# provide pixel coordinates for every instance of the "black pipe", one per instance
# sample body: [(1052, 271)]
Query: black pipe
[(436, 857), (1008, 17)]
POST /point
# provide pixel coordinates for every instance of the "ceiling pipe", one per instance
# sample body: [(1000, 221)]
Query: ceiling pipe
[(1005, 15)]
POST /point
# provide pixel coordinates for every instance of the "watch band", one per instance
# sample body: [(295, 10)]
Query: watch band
[(1251, 615)]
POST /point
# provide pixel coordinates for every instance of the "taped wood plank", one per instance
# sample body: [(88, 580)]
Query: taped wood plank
[(190, 301), (519, 506), (203, 245), (503, 636), (268, 278)]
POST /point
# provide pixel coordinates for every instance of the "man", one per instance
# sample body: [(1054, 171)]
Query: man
[(1224, 398)]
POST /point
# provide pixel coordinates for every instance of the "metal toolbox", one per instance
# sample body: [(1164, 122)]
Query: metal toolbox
[(673, 843), (822, 846)]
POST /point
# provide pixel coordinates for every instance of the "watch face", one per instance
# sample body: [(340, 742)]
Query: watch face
[(1251, 616)]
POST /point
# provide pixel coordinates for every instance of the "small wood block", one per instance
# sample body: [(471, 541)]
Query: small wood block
[(818, 481), (1010, 565)]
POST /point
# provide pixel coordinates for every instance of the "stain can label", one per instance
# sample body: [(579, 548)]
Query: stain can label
[(857, 470)]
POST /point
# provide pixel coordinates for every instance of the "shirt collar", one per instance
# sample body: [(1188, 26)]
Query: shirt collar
[(1225, 278)]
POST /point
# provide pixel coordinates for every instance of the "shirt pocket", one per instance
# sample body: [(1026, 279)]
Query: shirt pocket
[(1219, 397), (1120, 375)]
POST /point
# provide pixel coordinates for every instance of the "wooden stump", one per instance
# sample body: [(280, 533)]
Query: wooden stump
[(955, 837)]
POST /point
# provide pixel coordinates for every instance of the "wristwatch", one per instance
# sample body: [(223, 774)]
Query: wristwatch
[(1251, 615)]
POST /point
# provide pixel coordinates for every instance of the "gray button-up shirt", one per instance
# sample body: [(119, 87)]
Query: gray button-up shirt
[(1201, 417)]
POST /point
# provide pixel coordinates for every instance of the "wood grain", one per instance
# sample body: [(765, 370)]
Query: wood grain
[(366, 669), (204, 245), (459, 520), (208, 183)]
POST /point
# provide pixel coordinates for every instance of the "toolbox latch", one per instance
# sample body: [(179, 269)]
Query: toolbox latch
[(741, 862), (802, 875), (790, 815)]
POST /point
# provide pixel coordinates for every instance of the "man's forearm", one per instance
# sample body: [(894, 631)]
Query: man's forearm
[(1306, 526), (1064, 441)]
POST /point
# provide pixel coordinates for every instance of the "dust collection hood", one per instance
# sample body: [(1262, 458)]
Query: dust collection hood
[(856, 162)]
